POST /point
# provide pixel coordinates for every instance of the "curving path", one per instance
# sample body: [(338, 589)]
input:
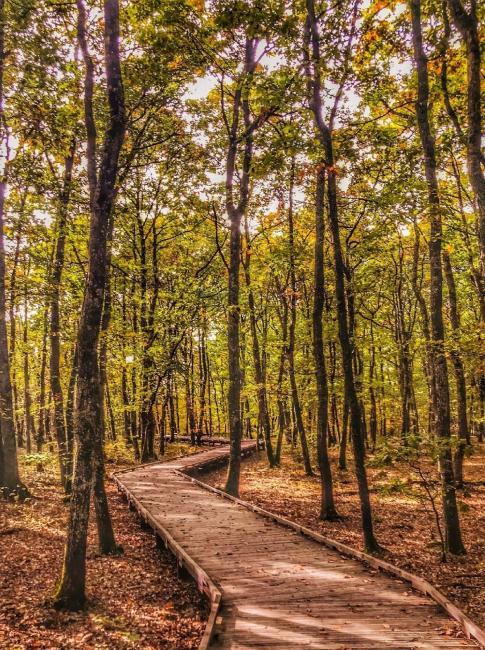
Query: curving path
[(279, 589)]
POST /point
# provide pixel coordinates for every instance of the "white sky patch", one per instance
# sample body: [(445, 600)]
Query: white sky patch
[(344, 183), (10, 151), (269, 60), (200, 88), (299, 196), (397, 10), (216, 177), (400, 68), (272, 206), (43, 216), (201, 138)]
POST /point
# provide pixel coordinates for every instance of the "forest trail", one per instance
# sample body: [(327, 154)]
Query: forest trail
[(279, 589)]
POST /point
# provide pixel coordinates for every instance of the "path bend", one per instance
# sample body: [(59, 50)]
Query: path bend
[(270, 586)]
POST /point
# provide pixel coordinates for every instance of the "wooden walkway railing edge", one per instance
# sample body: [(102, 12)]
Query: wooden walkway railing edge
[(212, 592), (471, 629), (202, 579)]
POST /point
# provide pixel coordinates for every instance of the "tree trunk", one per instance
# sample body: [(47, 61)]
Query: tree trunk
[(461, 400), (189, 398), (439, 367), (327, 507), (18, 421), (468, 26), (203, 384), (125, 397), (106, 538), (372, 391), (259, 373), (428, 363), (235, 213), (29, 418), (71, 591), (55, 330), (342, 455), (312, 65), (71, 395), (9, 473), (300, 427), (41, 425)]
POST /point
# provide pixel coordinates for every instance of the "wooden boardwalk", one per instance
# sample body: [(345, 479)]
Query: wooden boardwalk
[(279, 589)]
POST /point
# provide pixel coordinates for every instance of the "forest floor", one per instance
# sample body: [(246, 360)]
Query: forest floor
[(136, 600), (405, 522)]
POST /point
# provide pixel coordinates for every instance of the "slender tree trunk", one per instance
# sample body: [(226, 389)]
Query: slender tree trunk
[(55, 329), (171, 408), (162, 427), (124, 377), (105, 323), (440, 372), (29, 418), (235, 213), (9, 473), (259, 373), (283, 422), (312, 65), (428, 364), (283, 419), (203, 384), (18, 421), (372, 391), (41, 425), (461, 398), (106, 537), (466, 21), (300, 427), (327, 507), (70, 405), (189, 398), (342, 456), (134, 417), (71, 590), (126, 406)]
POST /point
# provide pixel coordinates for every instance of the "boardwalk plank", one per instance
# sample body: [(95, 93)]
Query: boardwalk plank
[(279, 588)]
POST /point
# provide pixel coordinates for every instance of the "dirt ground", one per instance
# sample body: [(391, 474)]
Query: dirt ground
[(405, 523), (136, 600)]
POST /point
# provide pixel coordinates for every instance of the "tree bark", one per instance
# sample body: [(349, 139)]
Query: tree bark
[(283, 416), (203, 383), (54, 329), (295, 398), (235, 213), (467, 24), (106, 537), (327, 507), (12, 313), (71, 390), (439, 367), (312, 69), (9, 473), (41, 424), (259, 372), (459, 369), (29, 418), (71, 591)]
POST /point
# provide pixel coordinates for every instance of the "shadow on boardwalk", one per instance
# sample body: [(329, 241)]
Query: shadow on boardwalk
[(279, 589)]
